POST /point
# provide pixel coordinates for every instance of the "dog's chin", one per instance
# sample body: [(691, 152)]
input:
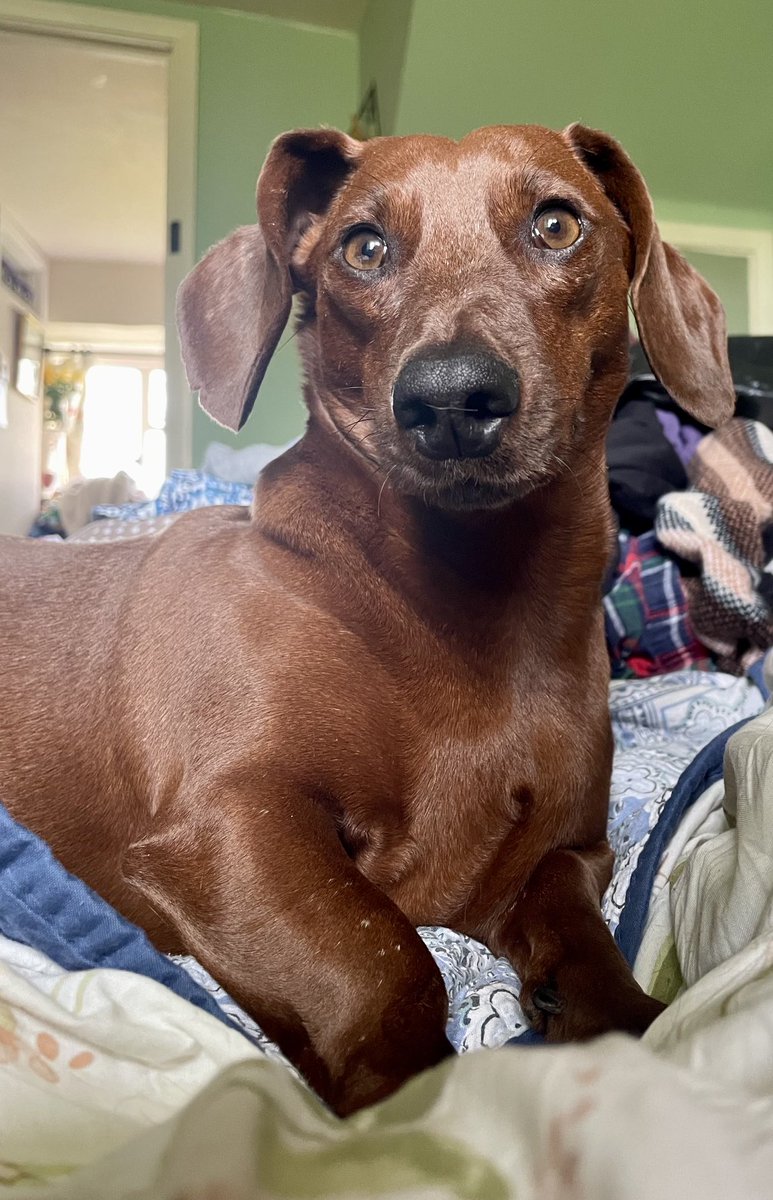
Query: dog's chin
[(471, 485)]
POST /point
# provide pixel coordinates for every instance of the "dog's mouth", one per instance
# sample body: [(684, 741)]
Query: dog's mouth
[(510, 471), (469, 495), (459, 465), (466, 485)]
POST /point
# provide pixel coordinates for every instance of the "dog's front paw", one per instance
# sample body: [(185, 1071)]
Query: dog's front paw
[(577, 1013)]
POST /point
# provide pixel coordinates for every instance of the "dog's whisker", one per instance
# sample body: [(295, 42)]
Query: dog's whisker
[(288, 339), (567, 466), (344, 435), (381, 490), (354, 425), (368, 412), (370, 175), (457, 408)]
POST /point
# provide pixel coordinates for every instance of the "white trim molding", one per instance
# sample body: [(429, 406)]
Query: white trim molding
[(179, 40), (754, 245), (146, 340)]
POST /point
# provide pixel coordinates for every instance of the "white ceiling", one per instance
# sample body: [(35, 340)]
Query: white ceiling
[(83, 147), (333, 14)]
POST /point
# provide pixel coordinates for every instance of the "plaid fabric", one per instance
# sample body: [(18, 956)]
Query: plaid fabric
[(646, 619), (721, 526)]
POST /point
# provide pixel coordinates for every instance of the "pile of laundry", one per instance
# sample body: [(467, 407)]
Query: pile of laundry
[(693, 583)]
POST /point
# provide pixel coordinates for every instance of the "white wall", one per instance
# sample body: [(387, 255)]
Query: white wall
[(106, 293), (20, 443)]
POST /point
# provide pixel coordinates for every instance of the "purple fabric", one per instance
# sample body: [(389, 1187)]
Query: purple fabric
[(684, 438)]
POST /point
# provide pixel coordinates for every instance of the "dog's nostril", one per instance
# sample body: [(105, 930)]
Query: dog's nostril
[(483, 405), (414, 412)]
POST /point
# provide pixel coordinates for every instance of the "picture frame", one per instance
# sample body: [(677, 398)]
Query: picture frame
[(28, 373)]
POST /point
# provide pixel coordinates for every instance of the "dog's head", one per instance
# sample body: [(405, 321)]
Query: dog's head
[(464, 320)]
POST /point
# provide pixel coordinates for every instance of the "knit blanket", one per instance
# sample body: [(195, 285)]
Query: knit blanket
[(721, 531)]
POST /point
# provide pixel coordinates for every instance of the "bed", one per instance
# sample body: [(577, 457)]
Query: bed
[(127, 1074)]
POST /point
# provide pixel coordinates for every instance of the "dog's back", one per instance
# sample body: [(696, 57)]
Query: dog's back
[(62, 701)]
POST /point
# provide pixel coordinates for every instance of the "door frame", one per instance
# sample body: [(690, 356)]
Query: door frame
[(179, 41), (753, 245)]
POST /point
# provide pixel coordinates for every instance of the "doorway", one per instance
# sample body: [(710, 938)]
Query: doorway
[(97, 179)]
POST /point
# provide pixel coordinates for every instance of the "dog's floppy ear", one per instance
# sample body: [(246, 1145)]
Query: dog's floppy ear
[(233, 306), (680, 319), (231, 309)]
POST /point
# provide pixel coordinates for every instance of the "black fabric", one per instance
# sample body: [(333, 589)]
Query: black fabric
[(751, 365), (765, 586), (641, 462)]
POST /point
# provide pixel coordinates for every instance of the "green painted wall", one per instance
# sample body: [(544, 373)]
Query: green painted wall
[(686, 86), (383, 46), (257, 78)]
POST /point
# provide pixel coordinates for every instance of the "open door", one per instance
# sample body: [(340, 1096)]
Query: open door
[(110, 45)]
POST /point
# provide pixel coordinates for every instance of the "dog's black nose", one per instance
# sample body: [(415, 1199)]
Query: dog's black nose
[(456, 404)]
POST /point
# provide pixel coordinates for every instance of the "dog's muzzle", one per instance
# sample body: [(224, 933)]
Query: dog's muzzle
[(455, 404)]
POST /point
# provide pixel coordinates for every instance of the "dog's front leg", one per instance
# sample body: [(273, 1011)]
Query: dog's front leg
[(264, 896), (575, 982)]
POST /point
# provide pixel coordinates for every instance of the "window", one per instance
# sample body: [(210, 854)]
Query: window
[(124, 421)]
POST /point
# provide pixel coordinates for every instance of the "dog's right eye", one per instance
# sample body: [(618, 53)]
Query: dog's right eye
[(556, 228), (365, 250)]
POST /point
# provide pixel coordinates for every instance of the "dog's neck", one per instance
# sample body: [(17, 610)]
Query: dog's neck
[(322, 501)]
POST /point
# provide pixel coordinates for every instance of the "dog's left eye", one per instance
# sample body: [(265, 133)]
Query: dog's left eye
[(365, 250), (556, 228)]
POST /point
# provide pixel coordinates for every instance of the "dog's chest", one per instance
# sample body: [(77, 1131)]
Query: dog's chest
[(467, 794)]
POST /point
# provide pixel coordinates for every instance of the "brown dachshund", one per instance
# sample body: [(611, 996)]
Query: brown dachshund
[(280, 740)]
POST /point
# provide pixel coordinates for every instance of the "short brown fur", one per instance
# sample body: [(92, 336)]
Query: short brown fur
[(280, 740)]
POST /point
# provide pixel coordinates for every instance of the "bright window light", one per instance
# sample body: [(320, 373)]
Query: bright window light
[(157, 398), (117, 435), (112, 422)]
